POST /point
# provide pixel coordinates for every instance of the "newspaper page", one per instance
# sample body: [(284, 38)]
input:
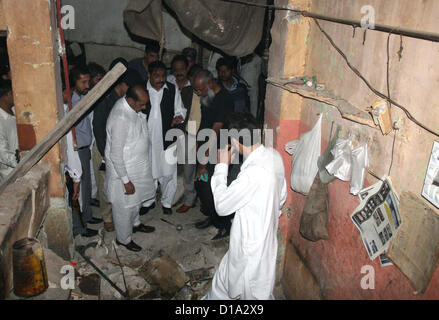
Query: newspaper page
[(377, 217), (431, 184)]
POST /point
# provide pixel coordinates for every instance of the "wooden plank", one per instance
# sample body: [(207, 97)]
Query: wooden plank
[(415, 247), (346, 109), (64, 125), (3, 25)]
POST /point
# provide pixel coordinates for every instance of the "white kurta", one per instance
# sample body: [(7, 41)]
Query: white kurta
[(247, 271), (127, 154), (8, 143), (164, 162)]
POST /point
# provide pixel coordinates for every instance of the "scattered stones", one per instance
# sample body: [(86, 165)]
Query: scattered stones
[(164, 272)]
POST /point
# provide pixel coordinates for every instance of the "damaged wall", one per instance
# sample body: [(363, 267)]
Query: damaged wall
[(336, 264), (106, 37)]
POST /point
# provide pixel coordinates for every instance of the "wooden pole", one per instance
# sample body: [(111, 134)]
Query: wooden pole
[(64, 125)]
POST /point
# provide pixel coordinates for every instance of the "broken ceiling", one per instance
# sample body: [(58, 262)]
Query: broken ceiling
[(235, 29)]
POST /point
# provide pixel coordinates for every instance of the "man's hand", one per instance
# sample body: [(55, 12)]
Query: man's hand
[(201, 170), (76, 188), (129, 188), (226, 155), (177, 120)]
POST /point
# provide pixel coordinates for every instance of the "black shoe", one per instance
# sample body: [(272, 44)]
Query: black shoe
[(95, 220), (142, 228), (132, 246), (222, 233), (95, 202), (203, 224), (167, 210), (144, 210), (90, 233)]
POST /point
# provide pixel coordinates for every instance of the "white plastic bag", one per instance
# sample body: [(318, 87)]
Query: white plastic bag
[(306, 152), (360, 161), (341, 166)]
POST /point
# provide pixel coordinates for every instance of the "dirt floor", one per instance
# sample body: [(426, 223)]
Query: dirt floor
[(171, 265)]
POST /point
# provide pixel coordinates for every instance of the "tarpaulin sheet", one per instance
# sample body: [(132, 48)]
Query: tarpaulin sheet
[(234, 28)]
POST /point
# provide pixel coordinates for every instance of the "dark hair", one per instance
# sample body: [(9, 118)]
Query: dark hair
[(179, 57), (131, 78), (75, 74), (249, 132), (229, 63), (116, 61), (153, 66), (95, 69), (131, 93), (190, 52), (152, 47), (5, 87), (193, 71)]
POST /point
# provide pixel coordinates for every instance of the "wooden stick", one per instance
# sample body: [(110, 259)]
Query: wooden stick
[(64, 125)]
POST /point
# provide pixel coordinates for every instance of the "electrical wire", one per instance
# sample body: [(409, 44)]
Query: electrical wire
[(378, 93), (315, 17)]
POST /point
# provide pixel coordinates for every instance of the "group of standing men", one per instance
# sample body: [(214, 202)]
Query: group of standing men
[(123, 138)]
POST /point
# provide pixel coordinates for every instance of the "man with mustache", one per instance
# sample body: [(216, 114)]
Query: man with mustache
[(166, 111), (80, 80), (216, 105)]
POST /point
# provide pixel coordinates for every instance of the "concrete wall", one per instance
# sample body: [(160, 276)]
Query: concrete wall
[(21, 214), (336, 264), (99, 24)]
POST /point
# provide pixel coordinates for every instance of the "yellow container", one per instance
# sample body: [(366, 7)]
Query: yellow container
[(29, 268)]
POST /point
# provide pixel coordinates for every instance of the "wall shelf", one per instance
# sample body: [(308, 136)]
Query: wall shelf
[(346, 109)]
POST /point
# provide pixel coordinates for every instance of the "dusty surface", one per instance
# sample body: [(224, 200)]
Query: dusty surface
[(192, 250)]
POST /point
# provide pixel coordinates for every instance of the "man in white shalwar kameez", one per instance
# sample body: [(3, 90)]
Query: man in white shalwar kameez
[(247, 271), (129, 179), (166, 111)]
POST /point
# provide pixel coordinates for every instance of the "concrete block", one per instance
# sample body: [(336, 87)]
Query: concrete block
[(58, 229), (22, 208), (165, 273)]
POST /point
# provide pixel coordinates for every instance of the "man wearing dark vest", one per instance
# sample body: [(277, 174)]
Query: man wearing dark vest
[(165, 112)]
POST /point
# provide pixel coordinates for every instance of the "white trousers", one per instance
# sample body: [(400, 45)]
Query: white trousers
[(124, 220), (168, 187)]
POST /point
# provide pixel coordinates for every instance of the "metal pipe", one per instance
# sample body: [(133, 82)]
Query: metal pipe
[(430, 36), (81, 251)]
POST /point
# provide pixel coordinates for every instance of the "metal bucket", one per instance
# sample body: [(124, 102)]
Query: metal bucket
[(29, 267)]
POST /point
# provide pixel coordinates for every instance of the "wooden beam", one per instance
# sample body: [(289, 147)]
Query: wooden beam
[(64, 125), (346, 109)]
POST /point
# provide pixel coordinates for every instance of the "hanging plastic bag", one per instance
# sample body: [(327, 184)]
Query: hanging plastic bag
[(341, 166), (326, 158), (306, 152), (360, 161)]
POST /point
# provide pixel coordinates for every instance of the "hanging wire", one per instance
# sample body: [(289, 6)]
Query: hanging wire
[(378, 93)]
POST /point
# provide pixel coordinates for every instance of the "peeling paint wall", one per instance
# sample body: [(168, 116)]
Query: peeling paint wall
[(337, 263)]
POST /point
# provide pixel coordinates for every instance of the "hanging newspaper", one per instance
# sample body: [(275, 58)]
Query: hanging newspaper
[(431, 185), (377, 217)]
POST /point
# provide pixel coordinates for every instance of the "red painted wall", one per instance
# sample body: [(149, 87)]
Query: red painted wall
[(337, 263)]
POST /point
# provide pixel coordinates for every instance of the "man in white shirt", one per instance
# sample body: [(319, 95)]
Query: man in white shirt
[(166, 111), (128, 181), (247, 271), (9, 154)]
